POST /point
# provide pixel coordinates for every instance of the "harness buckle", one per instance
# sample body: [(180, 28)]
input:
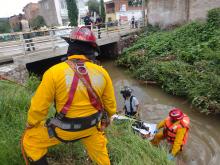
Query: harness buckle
[(81, 69), (60, 116)]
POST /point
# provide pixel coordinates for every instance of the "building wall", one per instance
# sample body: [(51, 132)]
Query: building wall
[(110, 11), (14, 22), (123, 11), (174, 12), (110, 16), (120, 3), (31, 11), (167, 12), (126, 16), (48, 11), (198, 8)]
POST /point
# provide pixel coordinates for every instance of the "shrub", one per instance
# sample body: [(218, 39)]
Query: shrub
[(195, 70), (214, 17)]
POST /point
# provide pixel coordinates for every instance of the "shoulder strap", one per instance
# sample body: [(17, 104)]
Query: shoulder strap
[(82, 74), (72, 91), (131, 106)]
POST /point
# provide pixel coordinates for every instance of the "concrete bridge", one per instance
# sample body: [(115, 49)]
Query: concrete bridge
[(51, 45), (15, 59)]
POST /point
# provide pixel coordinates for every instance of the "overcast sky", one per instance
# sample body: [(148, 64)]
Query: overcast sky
[(11, 7)]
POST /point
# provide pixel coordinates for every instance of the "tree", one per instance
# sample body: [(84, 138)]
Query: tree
[(93, 6), (4, 25), (37, 22), (72, 12), (102, 10)]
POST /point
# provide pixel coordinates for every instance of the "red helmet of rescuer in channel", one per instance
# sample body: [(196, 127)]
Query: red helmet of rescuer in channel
[(82, 34), (176, 114)]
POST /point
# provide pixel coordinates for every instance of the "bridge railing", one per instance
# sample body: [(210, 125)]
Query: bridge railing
[(50, 40)]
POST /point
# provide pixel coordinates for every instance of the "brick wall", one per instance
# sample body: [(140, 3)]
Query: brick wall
[(31, 11), (118, 4), (14, 22)]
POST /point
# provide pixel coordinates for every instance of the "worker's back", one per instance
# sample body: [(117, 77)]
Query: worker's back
[(58, 83)]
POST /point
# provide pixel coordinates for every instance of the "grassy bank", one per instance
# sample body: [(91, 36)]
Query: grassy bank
[(124, 146), (184, 61)]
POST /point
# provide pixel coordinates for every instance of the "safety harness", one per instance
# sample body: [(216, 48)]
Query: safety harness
[(76, 124)]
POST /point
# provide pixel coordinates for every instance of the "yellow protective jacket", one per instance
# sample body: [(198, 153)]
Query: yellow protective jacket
[(176, 147), (55, 87)]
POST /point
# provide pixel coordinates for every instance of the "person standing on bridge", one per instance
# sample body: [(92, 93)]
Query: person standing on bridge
[(25, 28), (84, 99), (98, 23), (175, 131), (88, 21)]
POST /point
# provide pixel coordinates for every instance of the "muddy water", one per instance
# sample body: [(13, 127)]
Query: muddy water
[(203, 146)]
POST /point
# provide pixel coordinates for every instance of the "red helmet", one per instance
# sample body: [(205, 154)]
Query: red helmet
[(83, 34), (176, 114)]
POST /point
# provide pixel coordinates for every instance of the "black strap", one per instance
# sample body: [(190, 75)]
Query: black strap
[(62, 140), (131, 107), (84, 121)]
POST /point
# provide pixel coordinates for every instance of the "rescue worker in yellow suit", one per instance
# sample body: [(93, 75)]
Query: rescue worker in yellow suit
[(81, 91), (175, 131)]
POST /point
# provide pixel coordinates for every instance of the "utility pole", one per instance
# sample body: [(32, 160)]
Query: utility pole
[(143, 11)]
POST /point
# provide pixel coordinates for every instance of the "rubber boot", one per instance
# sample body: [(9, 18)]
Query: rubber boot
[(41, 161)]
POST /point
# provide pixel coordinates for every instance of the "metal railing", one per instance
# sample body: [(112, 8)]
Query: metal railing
[(44, 40)]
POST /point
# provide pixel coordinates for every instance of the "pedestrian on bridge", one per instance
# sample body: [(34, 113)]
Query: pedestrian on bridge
[(175, 131), (83, 95), (88, 21), (98, 23), (27, 35)]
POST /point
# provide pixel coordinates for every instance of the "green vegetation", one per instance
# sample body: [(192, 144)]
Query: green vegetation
[(72, 12), (93, 6), (102, 14), (184, 62), (4, 25), (37, 22), (124, 146), (135, 3)]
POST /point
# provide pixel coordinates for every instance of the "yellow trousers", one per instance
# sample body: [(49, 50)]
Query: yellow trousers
[(36, 142)]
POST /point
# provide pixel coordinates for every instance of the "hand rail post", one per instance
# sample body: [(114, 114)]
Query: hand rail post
[(22, 40), (106, 28), (52, 40)]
